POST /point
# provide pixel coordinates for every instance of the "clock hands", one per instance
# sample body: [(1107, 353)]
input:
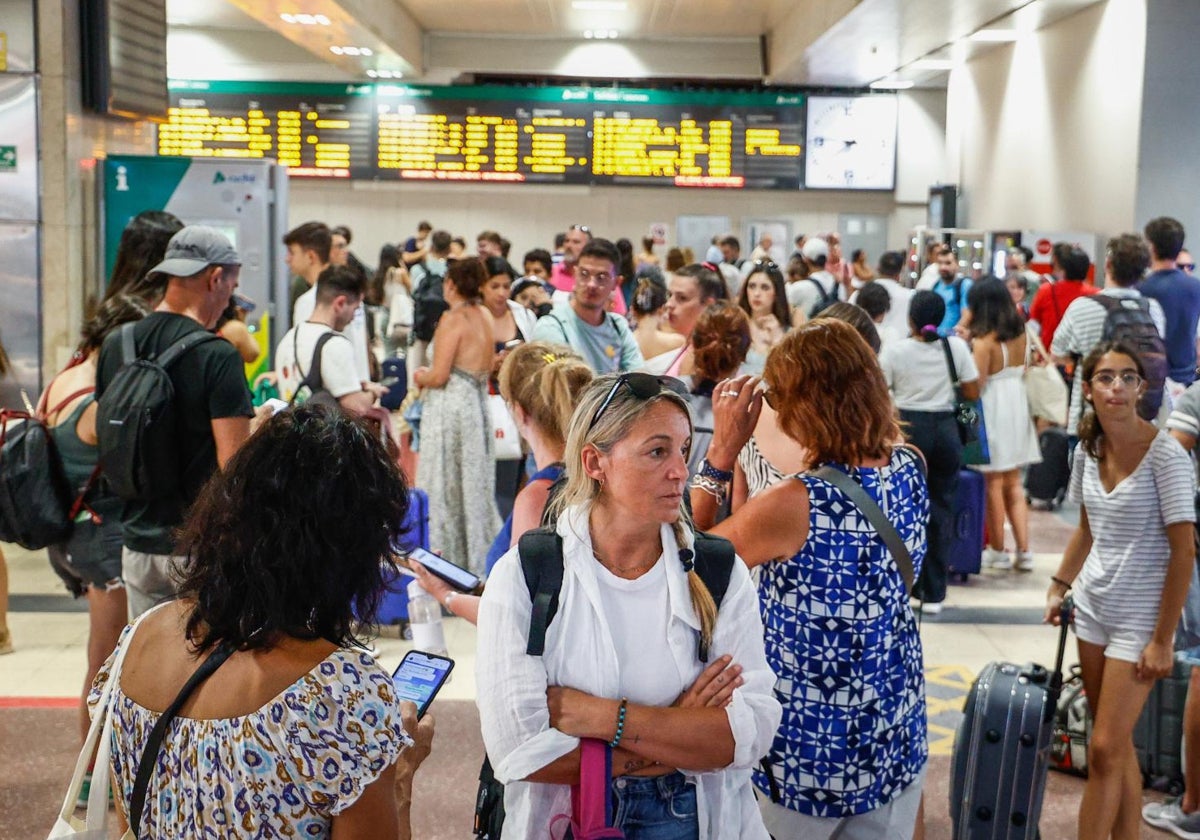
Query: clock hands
[(847, 145)]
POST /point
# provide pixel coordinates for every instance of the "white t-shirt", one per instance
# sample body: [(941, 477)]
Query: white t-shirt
[(917, 374), (1121, 581), (338, 374), (929, 278), (638, 610), (356, 331), (896, 318), (803, 295)]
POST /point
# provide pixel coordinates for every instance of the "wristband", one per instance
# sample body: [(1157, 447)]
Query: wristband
[(1059, 581), (620, 723), (450, 596), (709, 471)]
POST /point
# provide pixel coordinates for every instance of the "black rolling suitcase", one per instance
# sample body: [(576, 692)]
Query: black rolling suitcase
[(1001, 750), (1158, 734), (1047, 482)]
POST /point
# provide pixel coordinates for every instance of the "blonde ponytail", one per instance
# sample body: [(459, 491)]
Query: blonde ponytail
[(702, 600)]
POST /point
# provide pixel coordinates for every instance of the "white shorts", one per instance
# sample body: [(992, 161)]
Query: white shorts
[(1126, 645)]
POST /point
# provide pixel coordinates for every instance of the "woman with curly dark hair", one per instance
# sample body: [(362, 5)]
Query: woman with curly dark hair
[(720, 342), (285, 547)]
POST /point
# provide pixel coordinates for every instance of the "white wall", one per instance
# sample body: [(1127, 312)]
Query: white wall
[(530, 215), (1043, 133)]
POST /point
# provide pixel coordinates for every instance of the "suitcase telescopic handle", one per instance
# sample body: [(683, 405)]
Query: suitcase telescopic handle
[(1064, 625)]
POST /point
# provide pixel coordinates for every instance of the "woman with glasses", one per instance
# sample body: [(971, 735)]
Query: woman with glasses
[(849, 758), (690, 290), (764, 299), (456, 467), (638, 653), (1128, 566)]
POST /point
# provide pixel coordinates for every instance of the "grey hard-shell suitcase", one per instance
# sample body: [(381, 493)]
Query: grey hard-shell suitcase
[(1158, 734), (1001, 750)]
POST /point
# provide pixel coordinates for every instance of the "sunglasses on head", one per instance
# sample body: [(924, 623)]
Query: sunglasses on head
[(644, 386)]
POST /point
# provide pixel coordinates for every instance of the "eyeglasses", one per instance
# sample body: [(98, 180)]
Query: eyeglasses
[(644, 386), (767, 394), (586, 276), (1107, 380), (1186, 266), (583, 228)]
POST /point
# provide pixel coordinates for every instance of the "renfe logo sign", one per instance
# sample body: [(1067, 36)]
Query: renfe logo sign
[(222, 178)]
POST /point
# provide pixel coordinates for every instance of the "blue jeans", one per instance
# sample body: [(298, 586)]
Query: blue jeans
[(662, 808)]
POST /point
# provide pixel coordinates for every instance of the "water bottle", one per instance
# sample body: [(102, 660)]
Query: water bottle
[(425, 619)]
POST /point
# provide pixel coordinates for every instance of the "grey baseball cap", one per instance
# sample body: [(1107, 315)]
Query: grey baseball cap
[(194, 249)]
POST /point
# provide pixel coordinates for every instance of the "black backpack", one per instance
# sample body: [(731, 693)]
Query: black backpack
[(542, 565), (318, 394), (38, 506), (1129, 321), (428, 305), (136, 423), (825, 300)]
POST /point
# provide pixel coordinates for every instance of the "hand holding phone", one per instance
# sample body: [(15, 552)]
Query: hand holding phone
[(455, 575), (419, 677)]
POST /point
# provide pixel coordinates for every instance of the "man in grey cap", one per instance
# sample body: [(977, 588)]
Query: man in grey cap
[(211, 401)]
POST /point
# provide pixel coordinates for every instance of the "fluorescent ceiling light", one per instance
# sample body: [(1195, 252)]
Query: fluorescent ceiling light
[(932, 64), (600, 34), (600, 5), (995, 36), (304, 19), (891, 84), (363, 51)]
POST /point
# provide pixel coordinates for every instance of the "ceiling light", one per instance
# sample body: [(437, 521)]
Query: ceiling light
[(587, 33), (932, 64), (287, 18), (321, 19), (304, 19), (891, 84), (612, 33), (600, 5), (365, 51), (374, 74), (336, 50), (995, 36)]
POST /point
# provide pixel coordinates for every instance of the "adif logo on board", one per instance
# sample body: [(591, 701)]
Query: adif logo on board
[(221, 178)]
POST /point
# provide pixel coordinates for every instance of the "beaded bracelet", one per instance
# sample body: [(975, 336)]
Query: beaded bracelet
[(620, 723)]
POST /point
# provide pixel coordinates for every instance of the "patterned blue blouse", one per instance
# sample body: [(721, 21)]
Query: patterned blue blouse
[(842, 639)]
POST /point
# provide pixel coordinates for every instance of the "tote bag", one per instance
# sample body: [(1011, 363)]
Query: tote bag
[(1048, 394), (506, 440)]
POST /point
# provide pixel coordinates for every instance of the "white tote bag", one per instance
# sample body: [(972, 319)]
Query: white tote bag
[(506, 440), (1044, 385), (95, 824)]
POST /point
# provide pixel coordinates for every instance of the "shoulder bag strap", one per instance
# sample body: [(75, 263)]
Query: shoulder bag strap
[(128, 346), (146, 765), (192, 339), (541, 555), (63, 403), (945, 342), (887, 532)]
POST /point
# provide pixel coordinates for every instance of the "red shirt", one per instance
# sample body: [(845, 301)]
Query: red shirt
[(1051, 302)]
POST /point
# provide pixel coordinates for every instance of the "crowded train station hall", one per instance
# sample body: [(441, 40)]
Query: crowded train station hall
[(673, 420)]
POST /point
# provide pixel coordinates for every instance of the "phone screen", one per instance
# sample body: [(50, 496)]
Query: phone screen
[(419, 676), (454, 575)]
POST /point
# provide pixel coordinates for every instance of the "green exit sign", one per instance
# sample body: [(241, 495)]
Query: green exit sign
[(8, 158)]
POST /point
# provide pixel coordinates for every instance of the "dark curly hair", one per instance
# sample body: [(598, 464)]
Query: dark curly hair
[(720, 341), (290, 538), (468, 278)]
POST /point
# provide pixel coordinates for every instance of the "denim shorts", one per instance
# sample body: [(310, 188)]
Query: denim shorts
[(662, 808)]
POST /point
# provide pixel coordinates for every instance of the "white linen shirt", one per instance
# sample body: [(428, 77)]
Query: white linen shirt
[(580, 654)]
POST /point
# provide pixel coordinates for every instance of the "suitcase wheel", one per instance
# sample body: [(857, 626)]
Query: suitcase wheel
[(983, 813)]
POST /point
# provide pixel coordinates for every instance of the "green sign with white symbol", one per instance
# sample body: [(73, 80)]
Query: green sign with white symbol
[(8, 158)]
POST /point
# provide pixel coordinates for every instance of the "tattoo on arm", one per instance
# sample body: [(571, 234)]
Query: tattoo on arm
[(634, 764)]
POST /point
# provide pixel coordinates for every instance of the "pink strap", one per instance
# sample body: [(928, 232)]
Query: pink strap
[(590, 799)]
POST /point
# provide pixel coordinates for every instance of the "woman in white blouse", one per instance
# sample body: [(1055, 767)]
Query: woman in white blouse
[(622, 658)]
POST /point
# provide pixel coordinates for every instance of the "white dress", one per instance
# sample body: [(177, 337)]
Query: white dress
[(1012, 438)]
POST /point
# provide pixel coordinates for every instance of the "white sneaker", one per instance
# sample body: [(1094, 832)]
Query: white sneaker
[(1024, 561), (1169, 815), (929, 608), (997, 558)]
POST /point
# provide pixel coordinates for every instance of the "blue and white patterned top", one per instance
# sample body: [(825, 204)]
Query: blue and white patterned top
[(283, 771), (842, 639)]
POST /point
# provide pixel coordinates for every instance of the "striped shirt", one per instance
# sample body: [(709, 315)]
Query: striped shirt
[(1080, 330), (1122, 578)]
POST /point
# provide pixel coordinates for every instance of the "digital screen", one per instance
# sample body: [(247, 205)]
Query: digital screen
[(419, 677), (496, 134)]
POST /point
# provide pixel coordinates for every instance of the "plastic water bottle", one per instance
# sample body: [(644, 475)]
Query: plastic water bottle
[(425, 619)]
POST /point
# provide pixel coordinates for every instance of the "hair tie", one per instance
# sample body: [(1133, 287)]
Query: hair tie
[(685, 557), (710, 266), (929, 330), (549, 358)]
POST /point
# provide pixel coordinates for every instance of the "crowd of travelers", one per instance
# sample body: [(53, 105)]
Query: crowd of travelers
[(707, 442)]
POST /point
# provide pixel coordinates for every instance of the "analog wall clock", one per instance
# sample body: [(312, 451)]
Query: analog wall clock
[(851, 143)]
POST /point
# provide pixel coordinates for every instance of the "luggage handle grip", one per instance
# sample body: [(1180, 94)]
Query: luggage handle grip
[(1064, 626)]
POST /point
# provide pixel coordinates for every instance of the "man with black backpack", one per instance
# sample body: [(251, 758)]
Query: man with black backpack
[(818, 291), (173, 407), (428, 302)]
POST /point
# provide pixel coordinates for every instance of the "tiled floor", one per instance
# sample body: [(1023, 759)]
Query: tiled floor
[(995, 615)]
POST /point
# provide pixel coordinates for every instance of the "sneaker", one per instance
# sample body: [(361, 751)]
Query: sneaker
[(931, 608), (1169, 815), (1024, 562), (997, 558)]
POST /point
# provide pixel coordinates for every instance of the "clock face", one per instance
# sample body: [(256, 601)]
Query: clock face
[(851, 143)]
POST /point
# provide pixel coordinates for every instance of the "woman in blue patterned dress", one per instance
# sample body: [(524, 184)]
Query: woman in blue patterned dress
[(849, 757), (298, 732)]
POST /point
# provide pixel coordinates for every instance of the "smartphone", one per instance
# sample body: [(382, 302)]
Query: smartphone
[(456, 576), (419, 676), (277, 405), (516, 342)]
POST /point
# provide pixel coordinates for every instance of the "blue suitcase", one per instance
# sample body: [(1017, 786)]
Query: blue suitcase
[(966, 547), (394, 607)]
